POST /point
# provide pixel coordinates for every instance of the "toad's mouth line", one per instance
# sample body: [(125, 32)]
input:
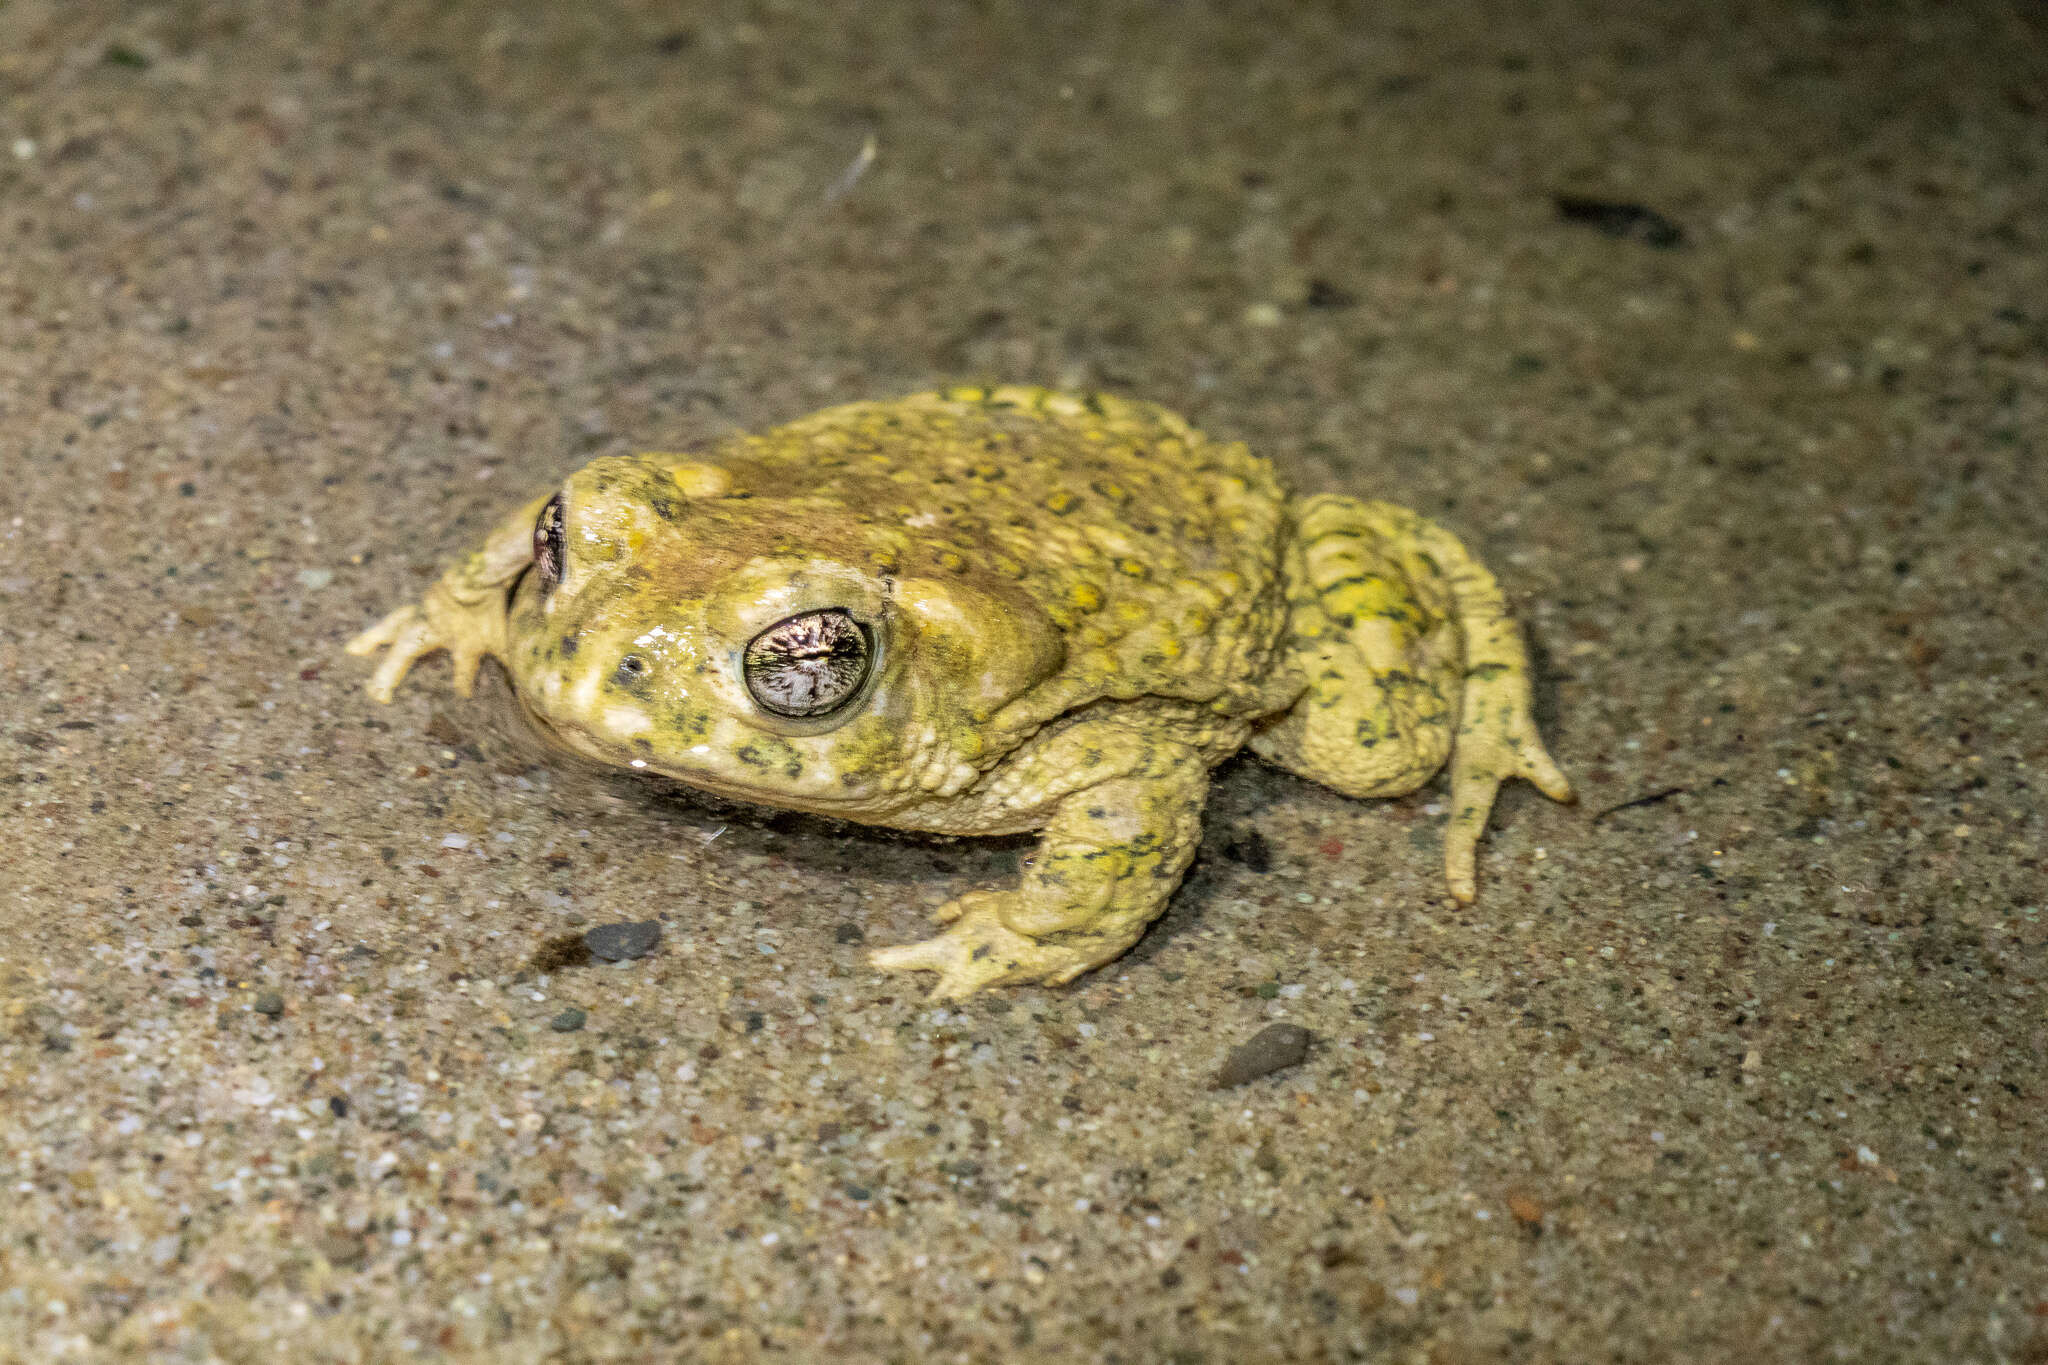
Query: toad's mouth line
[(577, 740)]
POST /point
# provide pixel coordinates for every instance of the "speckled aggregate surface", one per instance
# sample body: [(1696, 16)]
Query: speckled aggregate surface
[(301, 1055)]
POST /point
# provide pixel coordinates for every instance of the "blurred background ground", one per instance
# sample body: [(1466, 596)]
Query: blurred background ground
[(295, 299)]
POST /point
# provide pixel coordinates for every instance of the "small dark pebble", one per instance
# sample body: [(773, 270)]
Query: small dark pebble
[(1249, 850), (342, 1250), (624, 941), (1617, 218), (568, 1021), (337, 1105), (270, 1003), (848, 933), (1273, 1048), (860, 1192), (1323, 294)]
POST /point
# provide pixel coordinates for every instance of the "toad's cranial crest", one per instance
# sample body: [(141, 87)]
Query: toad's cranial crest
[(984, 611)]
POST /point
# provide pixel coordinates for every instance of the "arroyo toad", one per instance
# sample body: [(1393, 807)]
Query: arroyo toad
[(985, 611)]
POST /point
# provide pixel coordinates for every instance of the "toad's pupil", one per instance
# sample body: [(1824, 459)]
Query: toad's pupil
[(808, 665), (548, 542)]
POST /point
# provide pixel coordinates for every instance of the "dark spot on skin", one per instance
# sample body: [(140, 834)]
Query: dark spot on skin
[(665, 508), (569, 644), (750, 756), (1486, 670), (630, 676)]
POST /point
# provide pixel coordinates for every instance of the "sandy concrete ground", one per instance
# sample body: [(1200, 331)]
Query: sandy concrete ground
[(293, 1063)]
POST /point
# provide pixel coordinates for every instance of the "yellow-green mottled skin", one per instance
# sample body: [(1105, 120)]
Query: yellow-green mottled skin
[(1079, 605)]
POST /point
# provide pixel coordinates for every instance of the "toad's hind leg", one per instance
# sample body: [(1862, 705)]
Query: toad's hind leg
[(1408, 653)]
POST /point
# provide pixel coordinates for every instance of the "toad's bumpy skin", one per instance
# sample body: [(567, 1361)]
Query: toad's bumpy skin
[(985, 611)]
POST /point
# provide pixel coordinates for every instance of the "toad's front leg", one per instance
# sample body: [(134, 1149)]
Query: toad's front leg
[(463, 613), (1120, 835)]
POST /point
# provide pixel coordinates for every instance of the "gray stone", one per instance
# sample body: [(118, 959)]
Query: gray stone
[(1273, 1048), (624, 941)]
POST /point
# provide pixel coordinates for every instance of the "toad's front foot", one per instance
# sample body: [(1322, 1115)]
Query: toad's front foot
[(980, 950), (410, 635), (463, 613)]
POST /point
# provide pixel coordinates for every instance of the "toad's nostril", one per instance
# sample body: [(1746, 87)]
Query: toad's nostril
[(632, 666)]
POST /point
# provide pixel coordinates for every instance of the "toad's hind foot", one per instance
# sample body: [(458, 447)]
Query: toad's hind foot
[(1497, 740), (1408, 656)]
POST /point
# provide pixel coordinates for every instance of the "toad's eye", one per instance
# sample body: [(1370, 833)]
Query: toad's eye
[(809, 665), (548, 543)]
